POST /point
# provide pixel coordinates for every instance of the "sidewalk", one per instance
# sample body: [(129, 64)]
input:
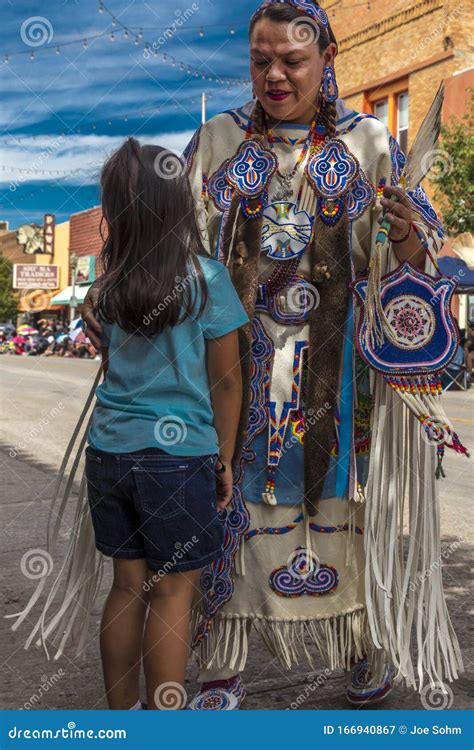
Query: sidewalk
[(29, 681)]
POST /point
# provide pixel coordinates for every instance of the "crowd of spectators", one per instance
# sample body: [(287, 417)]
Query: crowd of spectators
[(47, 338)]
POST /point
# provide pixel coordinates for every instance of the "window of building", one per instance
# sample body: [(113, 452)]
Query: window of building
[(390, 104), (381, 111), (402, 121)]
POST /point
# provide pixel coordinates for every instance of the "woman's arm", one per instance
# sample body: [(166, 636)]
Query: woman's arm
[(225, 380)]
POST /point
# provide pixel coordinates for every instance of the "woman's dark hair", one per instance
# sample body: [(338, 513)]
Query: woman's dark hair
[(286, 13), (152, 274)]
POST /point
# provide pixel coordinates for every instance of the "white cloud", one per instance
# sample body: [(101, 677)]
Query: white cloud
[(69, 153)]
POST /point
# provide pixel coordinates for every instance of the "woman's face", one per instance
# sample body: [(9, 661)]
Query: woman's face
[(286, 67)]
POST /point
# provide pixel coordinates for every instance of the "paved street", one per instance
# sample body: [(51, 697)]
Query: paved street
[(41, 400)]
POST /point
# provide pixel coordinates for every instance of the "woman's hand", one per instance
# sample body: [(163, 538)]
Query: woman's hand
[(224, 483), (93, 327), (400, 215)]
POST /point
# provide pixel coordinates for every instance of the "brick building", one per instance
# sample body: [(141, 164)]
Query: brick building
[(85, 244), (393, 54), (85, 236)]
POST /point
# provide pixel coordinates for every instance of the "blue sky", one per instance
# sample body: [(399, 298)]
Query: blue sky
[(68, 111)]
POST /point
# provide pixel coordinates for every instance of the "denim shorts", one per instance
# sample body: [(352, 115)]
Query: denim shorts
[(154, 506)]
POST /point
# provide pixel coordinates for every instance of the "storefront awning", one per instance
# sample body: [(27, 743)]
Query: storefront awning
[(64, 297), (459, 270)]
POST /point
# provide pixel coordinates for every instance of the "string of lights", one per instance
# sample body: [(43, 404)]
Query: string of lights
[(43, 33), (158, 107)]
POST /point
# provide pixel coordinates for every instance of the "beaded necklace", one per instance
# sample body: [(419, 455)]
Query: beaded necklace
[(313, 143), (285, 191)]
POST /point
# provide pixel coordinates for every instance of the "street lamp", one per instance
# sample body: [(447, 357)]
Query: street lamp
[(73, 301)]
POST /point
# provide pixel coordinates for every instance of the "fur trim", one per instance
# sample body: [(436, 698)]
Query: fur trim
[(327, 321)]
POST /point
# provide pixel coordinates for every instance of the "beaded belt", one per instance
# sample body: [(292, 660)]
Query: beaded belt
[(290, 305)]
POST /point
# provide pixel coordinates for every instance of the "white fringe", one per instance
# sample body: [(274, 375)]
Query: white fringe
[(405, 597), (69, 601), (340, 640)]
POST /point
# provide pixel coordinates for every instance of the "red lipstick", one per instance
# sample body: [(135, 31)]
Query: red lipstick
[(278, 96)]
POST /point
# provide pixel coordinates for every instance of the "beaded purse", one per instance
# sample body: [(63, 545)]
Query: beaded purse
[(422, 342)]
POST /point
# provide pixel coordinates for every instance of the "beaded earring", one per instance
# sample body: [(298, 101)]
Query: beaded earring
[(330, 89)]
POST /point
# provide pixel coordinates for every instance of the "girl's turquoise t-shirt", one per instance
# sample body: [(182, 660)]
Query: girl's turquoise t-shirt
[(156, 394)]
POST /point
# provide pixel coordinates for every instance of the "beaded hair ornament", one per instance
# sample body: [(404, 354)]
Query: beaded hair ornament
[(309, 7)]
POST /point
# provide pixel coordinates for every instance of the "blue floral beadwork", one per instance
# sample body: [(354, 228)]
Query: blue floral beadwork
[(299, 578), (422, 205), (217, 583), (398, 160), (219, 189), (251, 169), (361, 195), (190, 150), (333, 170)]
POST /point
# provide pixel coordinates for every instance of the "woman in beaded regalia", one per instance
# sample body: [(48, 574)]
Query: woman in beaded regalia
[(289, 191)]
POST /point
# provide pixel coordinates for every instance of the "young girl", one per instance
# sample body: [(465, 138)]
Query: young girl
[(163, 430)]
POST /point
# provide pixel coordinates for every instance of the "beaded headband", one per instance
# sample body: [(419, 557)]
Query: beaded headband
[(308, 7)]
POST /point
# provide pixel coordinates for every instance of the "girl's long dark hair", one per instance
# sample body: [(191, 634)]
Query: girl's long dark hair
[(152, 274)]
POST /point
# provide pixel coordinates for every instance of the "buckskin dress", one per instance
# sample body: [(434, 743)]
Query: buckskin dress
[(335, 582), (298, 580)]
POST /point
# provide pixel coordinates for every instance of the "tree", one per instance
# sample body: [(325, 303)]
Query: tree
[(8, 297), (454, 178)]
